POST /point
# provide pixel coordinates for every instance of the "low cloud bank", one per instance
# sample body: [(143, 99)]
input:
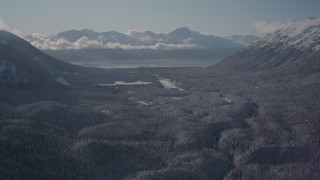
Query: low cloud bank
[(41, 41), (85, 43)]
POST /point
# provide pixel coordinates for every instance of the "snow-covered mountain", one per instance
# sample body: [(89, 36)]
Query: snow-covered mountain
[(293, 49), (181, 38), (299, 34)]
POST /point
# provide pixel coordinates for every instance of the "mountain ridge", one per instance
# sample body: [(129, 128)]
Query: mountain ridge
[(183, 36)]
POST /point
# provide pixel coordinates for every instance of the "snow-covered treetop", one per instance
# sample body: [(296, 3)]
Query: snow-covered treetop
[(300, 34)]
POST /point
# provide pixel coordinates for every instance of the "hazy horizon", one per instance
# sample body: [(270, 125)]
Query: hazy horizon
[(212, 17)]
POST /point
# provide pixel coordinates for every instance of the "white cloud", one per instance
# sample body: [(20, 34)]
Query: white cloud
[(37, 36), (84, 42), (141, 35), (5, 27), (157, 46), (55, 44), (174, 46), (265, 27)]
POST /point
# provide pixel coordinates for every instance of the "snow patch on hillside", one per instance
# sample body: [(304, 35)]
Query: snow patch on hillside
[(143, 103), (62, 81), (174, 98)]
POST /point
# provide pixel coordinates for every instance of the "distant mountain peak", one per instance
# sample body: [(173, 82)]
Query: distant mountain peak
[(183, 31), (74, 35), (87, 30)]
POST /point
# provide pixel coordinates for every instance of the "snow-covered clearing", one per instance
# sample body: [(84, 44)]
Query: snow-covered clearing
[(169, 84), (143, 103), (173, 98), (122, 83)]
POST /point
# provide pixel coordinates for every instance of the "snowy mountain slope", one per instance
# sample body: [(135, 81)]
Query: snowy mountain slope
[(298, 34), (294, 49)]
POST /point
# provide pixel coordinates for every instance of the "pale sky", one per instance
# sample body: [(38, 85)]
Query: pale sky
[(219, 17)]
